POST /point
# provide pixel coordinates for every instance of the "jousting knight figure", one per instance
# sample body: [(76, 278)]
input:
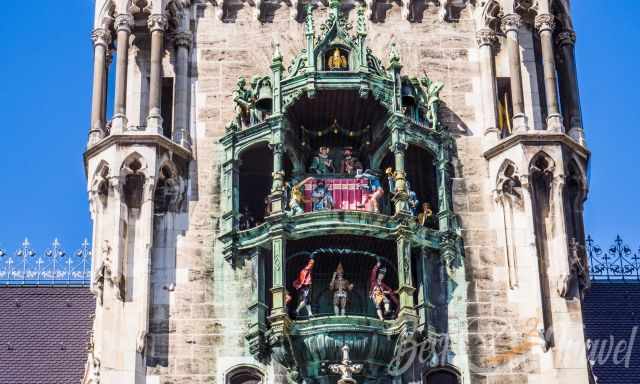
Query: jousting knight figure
[(303, 285), (381, 294), (340, 287), (296, 198)]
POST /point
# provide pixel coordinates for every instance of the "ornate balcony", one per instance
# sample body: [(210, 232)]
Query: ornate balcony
[(339, 169)]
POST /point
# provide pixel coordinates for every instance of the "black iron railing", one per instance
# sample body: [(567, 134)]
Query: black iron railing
[(618, 262), (52, 267)]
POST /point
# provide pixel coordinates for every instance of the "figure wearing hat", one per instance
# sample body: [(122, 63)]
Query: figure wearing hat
[(381, 294), (321, 163), (340, 287), (303, 285), (322, 198), (350, 164)]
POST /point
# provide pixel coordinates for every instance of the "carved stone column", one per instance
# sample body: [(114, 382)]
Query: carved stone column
[(278, 294), (566, 41), (487, 40), (181, 129), (405, 284), (276, 197), (399, 147), (545, 25), (157, 26), (510, 26), (123, 30), (101, 42)]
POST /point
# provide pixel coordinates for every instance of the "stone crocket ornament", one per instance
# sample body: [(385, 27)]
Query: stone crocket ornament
[(340, 287)]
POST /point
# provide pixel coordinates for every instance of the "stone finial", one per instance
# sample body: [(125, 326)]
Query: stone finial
[(394, 55), (157, 23), (101, 36), (511, 22), (277, 55), (545, 22)]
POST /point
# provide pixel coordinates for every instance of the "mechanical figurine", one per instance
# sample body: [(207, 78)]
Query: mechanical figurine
[(340, 287), (381, 294), (303, 285)]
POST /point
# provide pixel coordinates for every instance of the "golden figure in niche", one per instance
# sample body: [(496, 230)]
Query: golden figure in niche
[(337, 61)]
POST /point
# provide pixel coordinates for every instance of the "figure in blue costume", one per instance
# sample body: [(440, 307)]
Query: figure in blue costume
[(375, 188), (322, 198)]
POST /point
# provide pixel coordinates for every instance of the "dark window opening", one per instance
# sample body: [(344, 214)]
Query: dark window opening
[(505, 107), (441, 377), (256, 166), (537, 49), (134, 186), (167, 106), (541, 179)]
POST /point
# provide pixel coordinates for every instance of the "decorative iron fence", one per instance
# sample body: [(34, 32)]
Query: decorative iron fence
[(53, 267), (618, 262)]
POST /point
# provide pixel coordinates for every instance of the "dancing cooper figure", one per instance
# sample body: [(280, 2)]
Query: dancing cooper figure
[(381, 294), (303, 285)]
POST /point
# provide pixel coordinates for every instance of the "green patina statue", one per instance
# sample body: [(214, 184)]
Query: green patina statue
[(431, 98)]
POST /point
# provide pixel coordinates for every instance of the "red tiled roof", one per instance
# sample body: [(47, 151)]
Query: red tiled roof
[(44, 334)]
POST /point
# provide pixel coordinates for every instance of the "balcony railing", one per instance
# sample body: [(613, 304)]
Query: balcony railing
[(618, 262), (51, 267)]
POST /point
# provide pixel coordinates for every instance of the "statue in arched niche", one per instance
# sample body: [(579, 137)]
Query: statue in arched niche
[(509, 197), (337, 61), (169, 191)]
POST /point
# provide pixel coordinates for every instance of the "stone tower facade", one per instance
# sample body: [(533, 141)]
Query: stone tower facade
[(246, 152)]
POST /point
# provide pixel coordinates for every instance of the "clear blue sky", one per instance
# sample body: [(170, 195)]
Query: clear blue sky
[(45, 98)]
